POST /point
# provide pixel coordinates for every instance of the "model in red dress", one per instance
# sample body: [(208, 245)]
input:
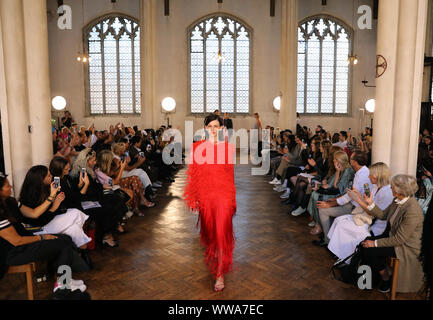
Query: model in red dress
[(211, 191)]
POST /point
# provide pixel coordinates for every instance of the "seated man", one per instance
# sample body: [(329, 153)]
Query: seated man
[(336, 207)]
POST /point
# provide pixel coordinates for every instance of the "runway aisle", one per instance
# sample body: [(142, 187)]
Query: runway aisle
[(161, 258)]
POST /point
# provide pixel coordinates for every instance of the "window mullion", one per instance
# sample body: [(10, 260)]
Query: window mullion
[(134, 110), (219, 75), (320, 74), (104, 100), (204, 70), (118, 75), (306, 75), (334, 100), (235, 70)]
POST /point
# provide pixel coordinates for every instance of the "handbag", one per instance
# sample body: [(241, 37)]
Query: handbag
[(122, 195), (349, 273), (330, 191)]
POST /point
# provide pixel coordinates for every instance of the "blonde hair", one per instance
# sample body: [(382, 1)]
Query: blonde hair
[(118, 148), (104, 159), (343, 159), (81, 162), (381, 172), (404, 184)]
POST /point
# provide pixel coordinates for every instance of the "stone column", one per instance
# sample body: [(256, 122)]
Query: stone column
[(387, 25), (401, 32), (12, 20), (428, 52), (288, 63), (150, 105), (38, 79)]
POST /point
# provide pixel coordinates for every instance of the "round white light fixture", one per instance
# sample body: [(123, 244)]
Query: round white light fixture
[(168, 104), (58, 103), (370, 105), (277, 103)]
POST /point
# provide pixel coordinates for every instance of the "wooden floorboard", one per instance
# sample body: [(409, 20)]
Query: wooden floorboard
[(161, 258)]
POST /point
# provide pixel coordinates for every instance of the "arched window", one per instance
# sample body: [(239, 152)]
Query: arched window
[(324, 45), (219, 65), (113, 72)]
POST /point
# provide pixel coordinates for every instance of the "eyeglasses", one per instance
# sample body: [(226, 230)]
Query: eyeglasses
[(91, 153)]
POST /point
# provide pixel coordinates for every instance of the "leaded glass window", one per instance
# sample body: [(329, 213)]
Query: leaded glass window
[(324, 45), (219, 69), (113, 45)]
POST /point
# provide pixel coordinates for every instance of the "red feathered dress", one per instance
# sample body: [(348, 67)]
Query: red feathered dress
[(211, 191)]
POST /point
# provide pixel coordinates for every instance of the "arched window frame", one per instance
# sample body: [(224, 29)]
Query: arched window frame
[(350, 35), (250, 32), (136, 81)]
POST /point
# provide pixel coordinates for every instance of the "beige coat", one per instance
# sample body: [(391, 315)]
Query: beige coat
[(405, 237)]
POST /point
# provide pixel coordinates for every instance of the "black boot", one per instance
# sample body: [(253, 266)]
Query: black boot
[(85, 255)]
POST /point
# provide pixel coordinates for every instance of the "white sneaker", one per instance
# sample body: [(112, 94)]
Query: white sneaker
[(280, 188), (74, 285), (129, 214), (286, 194), (312, 224), (298, 211), (275, 181)]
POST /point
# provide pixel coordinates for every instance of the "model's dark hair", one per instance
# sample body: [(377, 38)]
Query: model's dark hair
[(34, 192), (57, 165), (213, 117)]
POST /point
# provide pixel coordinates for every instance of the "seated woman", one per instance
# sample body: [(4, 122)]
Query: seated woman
[(292, 161), (349, 230), (41, 207), (401, 238), (317, 167), (109, 175), (79, 190), (119, 150), (19, 246), (337, 184)]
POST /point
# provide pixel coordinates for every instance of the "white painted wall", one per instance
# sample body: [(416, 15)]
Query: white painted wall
[(67, 75)]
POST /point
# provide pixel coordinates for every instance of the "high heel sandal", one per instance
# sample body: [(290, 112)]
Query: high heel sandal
[(106, 243)]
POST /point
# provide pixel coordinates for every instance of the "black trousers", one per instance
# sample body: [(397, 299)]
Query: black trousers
[(376, 257), (56, 251)]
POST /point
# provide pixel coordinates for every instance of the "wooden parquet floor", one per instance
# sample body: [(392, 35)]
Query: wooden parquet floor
[(161, 258)]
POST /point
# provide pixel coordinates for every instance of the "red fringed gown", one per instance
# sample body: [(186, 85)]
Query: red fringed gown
[(211, 191)]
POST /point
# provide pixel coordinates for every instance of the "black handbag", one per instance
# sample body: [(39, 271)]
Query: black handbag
[(122, 195), (330, 191)]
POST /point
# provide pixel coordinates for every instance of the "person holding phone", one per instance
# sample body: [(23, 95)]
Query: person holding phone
[(41, 205), (19, 246), (401, 238), (335, 207), (335, 185), (349, 230)]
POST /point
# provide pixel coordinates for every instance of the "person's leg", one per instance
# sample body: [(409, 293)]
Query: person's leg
[(326, 217)]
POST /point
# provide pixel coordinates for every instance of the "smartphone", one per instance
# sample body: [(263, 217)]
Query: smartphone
[(126, 154), (122, 158), (56, 182), (110, 182), (310, 156), (83, 171), (350, 185), (367, 190), (142, 154)]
